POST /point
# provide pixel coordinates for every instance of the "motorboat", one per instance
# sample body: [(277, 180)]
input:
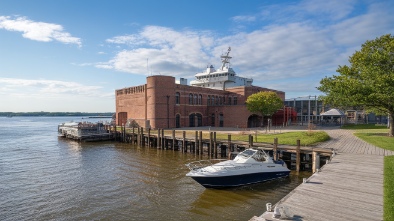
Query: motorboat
[(248, 167)]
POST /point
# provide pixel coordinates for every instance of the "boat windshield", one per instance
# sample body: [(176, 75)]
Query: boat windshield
[(247, 153)]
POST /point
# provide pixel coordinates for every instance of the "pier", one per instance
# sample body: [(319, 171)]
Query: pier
[(202, 143), (349, 187)]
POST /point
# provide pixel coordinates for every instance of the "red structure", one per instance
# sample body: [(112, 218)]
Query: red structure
[(162, 103)]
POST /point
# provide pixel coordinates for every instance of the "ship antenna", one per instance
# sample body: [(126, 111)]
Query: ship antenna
[(226, 58)]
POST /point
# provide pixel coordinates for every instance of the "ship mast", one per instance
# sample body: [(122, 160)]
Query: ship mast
[(225, 58)]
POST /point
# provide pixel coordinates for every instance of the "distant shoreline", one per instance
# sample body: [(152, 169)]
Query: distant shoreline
[(56, 114)]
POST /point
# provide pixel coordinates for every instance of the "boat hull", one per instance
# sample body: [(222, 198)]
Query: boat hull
[(238, 180)]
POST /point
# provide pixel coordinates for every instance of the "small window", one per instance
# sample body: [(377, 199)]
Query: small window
[(190, 99), (177, 98)]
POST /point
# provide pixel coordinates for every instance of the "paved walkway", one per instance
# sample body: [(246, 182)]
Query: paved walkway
[(350, 187), (343, 141)]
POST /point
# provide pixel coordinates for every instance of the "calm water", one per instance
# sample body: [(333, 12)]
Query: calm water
[(43, 177)]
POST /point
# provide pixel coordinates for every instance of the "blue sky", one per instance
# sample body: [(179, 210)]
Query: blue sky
[(67, 55)]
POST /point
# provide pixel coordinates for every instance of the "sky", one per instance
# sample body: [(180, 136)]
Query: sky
[(71, 56)]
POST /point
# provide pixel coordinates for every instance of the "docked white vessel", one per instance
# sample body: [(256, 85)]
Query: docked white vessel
[(222, 78), (248, 167)]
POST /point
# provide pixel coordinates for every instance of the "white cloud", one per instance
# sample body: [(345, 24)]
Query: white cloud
[(309, 40), (38, 31), (31, 88), (245, 18)]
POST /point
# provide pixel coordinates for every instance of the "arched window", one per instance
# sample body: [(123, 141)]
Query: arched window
[(195, 99), (209, 100), (190, 99), (217, 100), (199, 99), (235, 100), (178, 121), (177, 98), (213, 100)]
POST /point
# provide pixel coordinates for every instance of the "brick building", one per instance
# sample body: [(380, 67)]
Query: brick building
[(162, 103), (216, 98)]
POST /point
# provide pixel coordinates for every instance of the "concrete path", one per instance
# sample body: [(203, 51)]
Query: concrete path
[(350, 187)]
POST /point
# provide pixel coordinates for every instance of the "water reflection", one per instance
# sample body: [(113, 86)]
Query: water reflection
[(48, 178)]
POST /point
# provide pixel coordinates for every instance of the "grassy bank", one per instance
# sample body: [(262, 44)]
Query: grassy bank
[(373, 134), (378, 136), (288, 138), (388, 185)]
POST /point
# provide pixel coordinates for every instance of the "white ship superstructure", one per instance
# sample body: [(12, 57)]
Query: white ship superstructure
[(222, 78)]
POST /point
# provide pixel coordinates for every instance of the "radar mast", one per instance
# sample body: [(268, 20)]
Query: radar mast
[(225, 58)]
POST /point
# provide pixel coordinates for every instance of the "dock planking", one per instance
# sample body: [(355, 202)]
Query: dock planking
[(350, 187)]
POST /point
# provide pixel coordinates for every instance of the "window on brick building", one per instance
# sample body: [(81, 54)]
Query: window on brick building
[(195, 99), (213, 100), (229, 100), (217, 100), (177, 98), (199, 99), (235, 100), (213, 120), (178, 121), (190, 99), (209, 100)]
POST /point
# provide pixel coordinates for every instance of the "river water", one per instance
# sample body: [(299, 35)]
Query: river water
[(43, 177)]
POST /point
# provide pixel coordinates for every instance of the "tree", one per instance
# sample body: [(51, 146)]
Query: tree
[(265, 103), (367, 82)]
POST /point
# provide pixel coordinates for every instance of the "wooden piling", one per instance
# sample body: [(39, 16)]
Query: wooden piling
[(138, 136), (200, 145), (229, 143), (158, 138), (173, 140), (298, 157), (149, 144), (184, 148), (275, 149), (142, 139), (163, 140), (210, 150), (196, 143), (215, 147), (315, 161)]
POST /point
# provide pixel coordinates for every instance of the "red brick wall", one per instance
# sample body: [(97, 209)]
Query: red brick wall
[(148, 103)]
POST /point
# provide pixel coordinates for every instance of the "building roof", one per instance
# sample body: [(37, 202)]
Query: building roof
[(333, 112)]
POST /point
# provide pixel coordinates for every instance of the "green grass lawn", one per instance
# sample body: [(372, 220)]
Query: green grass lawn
[(373, 134), (378, 136), (388, 185), (289, 138)]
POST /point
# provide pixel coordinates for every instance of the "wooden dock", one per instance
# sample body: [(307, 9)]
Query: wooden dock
[(349, 187)]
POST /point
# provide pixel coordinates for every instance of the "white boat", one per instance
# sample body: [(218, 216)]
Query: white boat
[(222, 78), (248, 167)]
